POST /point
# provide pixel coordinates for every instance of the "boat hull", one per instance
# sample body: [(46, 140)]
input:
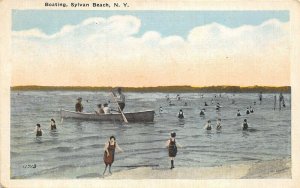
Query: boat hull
[(144, 116)]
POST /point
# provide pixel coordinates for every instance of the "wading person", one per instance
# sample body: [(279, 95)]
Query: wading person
[(120, 98), (180, 114), (38, 130), (245, 125), (208, 125), (238, 113), (109, 153), (218, 124), (281, 99), (172, 148), (260, 97), (275, 101), (100, 109), (78, 106), (52, 125)]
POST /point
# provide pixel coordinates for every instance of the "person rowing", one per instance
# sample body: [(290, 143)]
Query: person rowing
[(79, 106), (120, 98)]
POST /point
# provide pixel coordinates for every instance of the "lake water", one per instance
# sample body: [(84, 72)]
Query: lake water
[(75, 150)]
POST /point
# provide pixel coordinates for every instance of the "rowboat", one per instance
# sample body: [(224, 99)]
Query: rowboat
[(142, 116)]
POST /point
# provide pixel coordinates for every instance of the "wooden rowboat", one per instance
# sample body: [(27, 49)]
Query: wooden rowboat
[(143, 116)]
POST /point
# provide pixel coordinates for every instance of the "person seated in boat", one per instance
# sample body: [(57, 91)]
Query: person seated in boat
[(245, 125), (251, 109), (205, 104), (100, 109), (180, 114), (202, 112), (120, 98), (218, 124), (238, 113), (208, 125), (79, 106), (247, 111), (52, 125), (106, 109), (38, 130)]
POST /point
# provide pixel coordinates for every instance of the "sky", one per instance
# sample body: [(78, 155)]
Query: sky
[(150, 48)]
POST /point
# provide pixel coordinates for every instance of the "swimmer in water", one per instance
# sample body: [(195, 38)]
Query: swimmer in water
[(238, 113), (161, 109), (202, 112), (247, 111), (205, 104), (52, 125), (185, 104), (180, 114), (38, 130), (218, 106), (245, 125), (251, 109), (218, 124), (208, 126)]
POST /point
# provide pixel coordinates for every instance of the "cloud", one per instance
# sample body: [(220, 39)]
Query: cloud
[(115, 43)]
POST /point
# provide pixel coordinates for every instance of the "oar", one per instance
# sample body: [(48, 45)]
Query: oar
[(124, 118)]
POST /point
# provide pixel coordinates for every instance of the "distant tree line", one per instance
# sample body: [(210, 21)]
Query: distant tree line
[(166, 89)]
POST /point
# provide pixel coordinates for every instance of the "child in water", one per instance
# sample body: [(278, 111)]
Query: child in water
[(38, 130), (245, 125), (172, 148), (52, 124), (208, 126), (238, 113), (109, 153), (180, 114), (218, 124)]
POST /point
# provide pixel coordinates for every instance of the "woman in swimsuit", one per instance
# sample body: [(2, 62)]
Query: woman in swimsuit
[(53, 125), (172, 148), (109, 153)]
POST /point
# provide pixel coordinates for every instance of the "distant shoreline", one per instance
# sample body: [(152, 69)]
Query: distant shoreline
[(163, 89)]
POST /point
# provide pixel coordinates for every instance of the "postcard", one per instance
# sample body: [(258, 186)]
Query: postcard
[(142, 94)]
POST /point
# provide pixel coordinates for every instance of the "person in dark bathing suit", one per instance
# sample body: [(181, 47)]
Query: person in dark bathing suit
[(78, 106), (251, 109), (180, 114), (38, 130), (205, 104), (245, 125), (202, 112), (109, 153), (172, 148), (53, 125), (238, 113), (247, 111)]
